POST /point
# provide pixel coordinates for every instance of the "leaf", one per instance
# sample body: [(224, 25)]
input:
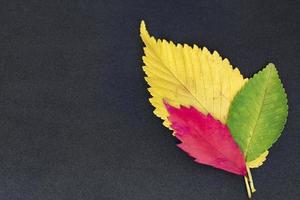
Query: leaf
[(258, 113), (206, 139), (188, 76)]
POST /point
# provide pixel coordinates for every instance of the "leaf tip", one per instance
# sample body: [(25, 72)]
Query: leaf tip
[(271, 66), (143, 31), (142, 25)]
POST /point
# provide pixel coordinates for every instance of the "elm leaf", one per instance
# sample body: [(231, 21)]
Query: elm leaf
[(258, 113)]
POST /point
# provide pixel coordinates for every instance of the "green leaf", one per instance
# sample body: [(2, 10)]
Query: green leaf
[(258, 113)]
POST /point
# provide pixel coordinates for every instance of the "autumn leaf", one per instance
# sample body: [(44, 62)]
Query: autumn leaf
[(206, 139), (188, 76)]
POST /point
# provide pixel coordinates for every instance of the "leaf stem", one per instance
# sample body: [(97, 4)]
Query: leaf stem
[(250, 180), (247, 187)]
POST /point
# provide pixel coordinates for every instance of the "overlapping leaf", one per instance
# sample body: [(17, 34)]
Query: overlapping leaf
[(206, 139), (188, 76), (258, 113)]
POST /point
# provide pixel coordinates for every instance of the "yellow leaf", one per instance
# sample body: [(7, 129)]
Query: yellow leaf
[(189, 76), (258, 161)]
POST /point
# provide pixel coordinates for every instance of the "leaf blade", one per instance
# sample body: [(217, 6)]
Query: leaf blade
[(207, 140), (258, 113), (199, 78)]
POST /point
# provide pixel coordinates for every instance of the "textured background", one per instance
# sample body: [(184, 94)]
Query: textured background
[(75, 122)]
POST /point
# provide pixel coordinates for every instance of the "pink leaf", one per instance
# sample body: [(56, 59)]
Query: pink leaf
[(206, 139)]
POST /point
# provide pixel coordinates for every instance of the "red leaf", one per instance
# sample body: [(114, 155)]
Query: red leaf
[(206, 139)]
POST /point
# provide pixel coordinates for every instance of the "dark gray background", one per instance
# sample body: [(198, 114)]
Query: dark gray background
[(75, 121)]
